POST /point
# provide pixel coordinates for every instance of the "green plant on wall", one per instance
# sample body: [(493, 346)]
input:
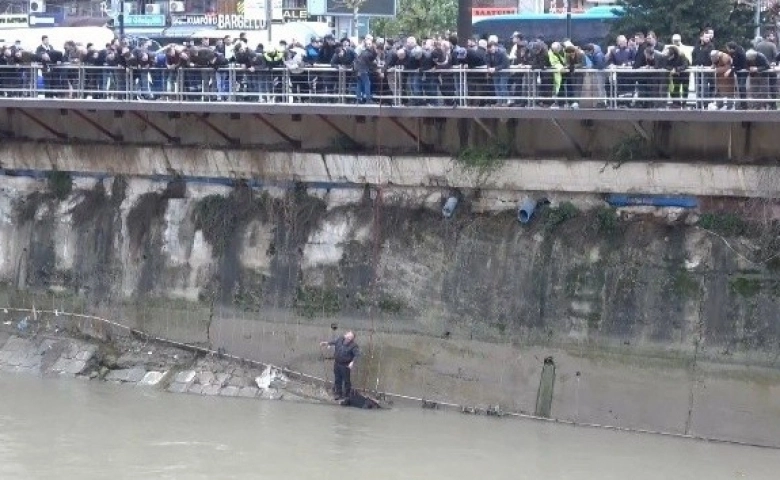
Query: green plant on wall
[(685, 285), (728, 224), (606, 220), (745, 287), (482, 161), (60, 184), (213, 217), (558, 215), (313, 301), (630, 149)]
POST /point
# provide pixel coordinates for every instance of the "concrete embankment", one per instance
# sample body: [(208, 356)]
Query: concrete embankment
[(663, 319)]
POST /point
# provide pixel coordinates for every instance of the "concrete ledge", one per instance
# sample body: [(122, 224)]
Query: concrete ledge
[(393, 111), (420, 172)]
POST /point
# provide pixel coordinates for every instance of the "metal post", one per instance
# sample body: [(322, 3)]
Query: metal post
[(757, 18), (121, 18), (568, 19)]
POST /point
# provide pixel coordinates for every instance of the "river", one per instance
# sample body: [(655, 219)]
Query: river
[(75, 429)]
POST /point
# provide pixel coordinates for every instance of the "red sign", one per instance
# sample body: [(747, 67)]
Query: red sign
[(489, 12)]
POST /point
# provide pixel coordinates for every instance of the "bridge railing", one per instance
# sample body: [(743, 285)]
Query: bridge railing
[(697, 88)]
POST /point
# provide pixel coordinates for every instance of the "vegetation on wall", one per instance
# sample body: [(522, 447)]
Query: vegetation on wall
[(60, 184)]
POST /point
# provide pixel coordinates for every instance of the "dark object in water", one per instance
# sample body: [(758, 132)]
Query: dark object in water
[(358, 400)]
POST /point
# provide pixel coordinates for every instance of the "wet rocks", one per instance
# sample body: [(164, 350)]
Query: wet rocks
[(151, 379), (133, 362), (47, 355), (128, 375)]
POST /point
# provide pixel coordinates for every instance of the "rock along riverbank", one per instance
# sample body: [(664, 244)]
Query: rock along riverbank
[(138, 362)]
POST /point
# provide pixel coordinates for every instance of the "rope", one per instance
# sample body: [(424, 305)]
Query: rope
[(465, 409)]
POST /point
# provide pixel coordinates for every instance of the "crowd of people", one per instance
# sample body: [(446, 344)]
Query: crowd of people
[(639, 71)]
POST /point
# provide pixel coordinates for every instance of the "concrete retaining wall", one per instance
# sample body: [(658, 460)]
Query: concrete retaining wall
[(581, 176)]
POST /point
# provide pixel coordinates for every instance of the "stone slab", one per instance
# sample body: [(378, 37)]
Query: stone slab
[(86, 354), (210, 390), (17, 344), (151, 379), (239, 382), (195, 389), (248, 392), (178, 387), (229, 392), (75, 367), (132, 375), (206, 378), (222, 379), (45, 345), (187, 376)]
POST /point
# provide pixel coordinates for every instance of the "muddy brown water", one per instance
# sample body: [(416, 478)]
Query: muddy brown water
[(74, 429)]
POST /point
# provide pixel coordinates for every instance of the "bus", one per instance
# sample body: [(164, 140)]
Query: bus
[(591, 26)]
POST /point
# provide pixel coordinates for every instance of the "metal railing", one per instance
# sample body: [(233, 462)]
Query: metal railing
[(697, 88)]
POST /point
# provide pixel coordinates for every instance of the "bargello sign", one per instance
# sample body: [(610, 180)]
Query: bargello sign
[(220, 22)]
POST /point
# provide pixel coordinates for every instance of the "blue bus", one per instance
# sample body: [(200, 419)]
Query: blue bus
[(592, 26)]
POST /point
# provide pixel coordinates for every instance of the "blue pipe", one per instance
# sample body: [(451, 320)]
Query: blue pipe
[(449, 207), (526, 210), (624, 200)]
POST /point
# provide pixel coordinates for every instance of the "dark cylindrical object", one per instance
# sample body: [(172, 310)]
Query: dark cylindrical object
[(526, 210), (544, 396), (464, 21), (568, 20), (449, 207)]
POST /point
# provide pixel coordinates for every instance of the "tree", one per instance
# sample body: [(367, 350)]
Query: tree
[(419, 18), (730, 19)]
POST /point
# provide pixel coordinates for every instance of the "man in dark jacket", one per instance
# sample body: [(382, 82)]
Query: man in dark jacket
[(700, 57), (346, 352), (739, 67), (758, 69), (498, 68), (652, 85), (677, 64), (365, 64)]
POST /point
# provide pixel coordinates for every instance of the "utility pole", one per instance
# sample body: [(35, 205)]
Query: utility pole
[(121, 18), (269, 19), (464, 21)]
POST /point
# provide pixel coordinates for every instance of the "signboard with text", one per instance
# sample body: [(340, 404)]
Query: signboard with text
[(13, 21), (369, 8), (143, 21), (219, 22), (492, 11), (43, 20)]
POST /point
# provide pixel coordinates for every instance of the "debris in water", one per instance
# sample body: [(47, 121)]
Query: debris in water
[(23, 325), (7, 323)]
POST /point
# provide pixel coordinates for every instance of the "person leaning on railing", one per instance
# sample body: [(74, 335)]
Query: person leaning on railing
[(759, 70), (725, 81), (678, 65), (739, 68), (652, 86)]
